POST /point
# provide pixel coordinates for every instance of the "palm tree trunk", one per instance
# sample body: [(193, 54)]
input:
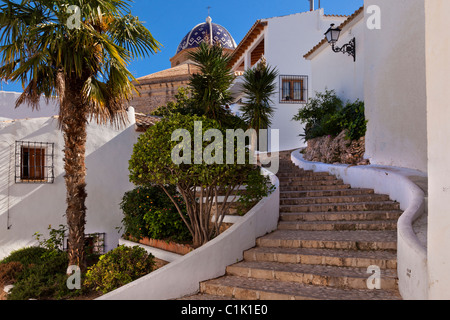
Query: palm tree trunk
[(74, 125)]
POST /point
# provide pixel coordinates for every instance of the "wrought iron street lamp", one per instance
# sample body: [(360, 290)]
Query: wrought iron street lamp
[(332, 36)]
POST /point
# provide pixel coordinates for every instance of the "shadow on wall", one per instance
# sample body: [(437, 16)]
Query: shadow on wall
[(30, 208)]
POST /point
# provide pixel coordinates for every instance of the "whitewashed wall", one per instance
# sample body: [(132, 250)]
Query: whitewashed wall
[(30, 208), (339, 72), (438, 97), (288, 38), (395, 85), (8, 110)]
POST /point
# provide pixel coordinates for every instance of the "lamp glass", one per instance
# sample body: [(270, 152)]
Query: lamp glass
[(333, 34)]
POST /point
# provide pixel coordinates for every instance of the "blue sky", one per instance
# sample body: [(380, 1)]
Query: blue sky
[(170, 20)]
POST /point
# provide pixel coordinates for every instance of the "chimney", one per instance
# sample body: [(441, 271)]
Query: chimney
[(311, 5)]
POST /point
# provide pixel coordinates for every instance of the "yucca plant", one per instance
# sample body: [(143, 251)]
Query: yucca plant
[(77, 50), (211, 86), (258, 87)]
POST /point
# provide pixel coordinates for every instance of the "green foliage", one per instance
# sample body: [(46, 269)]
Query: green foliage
[(119, 267), (354, 120), (258, 187), (211, 86), (183, 104), (42, 276), (152, 163), (259, 85), (326, 114), (26, 256), (149, 212), (55, 243), (9, 273)]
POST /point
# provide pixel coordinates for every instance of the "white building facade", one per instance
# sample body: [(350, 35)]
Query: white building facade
[(283, 41), (32, 186)]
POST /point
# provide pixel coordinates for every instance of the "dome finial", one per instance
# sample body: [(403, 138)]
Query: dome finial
[(208, 19)]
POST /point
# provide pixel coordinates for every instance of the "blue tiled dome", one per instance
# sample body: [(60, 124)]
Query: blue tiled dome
[(207, 31)]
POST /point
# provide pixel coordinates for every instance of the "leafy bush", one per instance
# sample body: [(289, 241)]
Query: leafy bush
[(157, 160), (55, 243), (257, 187), (27, 256), (119, 267), (40, 286), (149, 212), (43, 274), (353, 119), (326, 114), (9, 273)]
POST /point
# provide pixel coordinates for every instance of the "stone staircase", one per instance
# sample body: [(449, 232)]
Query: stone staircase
[(328, 236)]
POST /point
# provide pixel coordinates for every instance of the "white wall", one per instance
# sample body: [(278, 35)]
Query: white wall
[(8, 110), (438, 97), (394, 80), (29, 208), (339, 72), (288, 38)]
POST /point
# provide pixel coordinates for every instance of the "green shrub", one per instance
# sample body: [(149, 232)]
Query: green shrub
[(258, 186), (149, 212), (326, 114), (119, 267), (9, 273), (321, 115), (43, 275), (41, 287), (353, 119), (26, 256)]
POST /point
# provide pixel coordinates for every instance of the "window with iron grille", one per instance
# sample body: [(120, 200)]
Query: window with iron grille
[(94, 243), (34, 162), (293, 89)]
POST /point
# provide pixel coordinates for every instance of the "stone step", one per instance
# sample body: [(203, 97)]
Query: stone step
[(289, 188), (303, 177), (335, 199), (345, 240), (342, 216), (334, 207), (384, 259), (336, 277), (311, 183), (296, 172), (260, 289), (325, 193), (337, 225), (204, 297)]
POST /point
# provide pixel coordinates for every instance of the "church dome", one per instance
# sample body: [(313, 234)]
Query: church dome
[(207, 31)]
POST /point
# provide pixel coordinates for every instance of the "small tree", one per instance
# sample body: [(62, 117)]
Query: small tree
[(258, 87), (211, 86), (200, 183)]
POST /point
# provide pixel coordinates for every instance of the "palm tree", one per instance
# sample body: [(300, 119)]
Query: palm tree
[(258, 87), (84, 66), (210, 87)]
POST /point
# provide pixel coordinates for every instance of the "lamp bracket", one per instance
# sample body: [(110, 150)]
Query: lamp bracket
[(349, 48)]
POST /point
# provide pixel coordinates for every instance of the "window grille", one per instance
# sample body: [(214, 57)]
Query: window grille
[(94, 243), (34, 162), (293, 89)]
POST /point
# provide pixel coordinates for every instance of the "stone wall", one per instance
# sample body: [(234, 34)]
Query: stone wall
[(338, 149)]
